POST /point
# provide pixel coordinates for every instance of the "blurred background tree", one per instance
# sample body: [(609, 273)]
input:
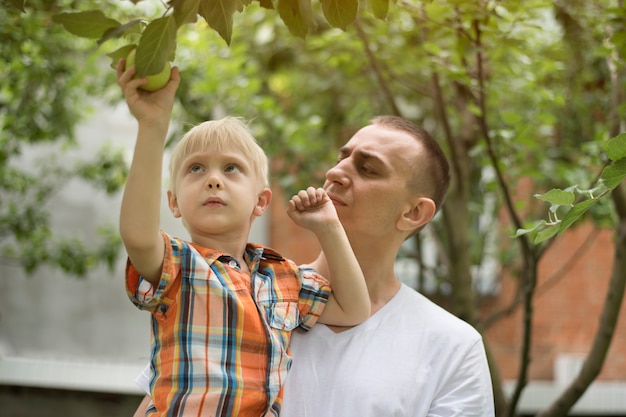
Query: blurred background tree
[(47, 81)]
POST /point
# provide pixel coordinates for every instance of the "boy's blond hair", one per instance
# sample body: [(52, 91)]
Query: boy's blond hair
[(217, 134)]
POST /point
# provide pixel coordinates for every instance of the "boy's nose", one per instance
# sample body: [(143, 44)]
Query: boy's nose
[(215, 182)]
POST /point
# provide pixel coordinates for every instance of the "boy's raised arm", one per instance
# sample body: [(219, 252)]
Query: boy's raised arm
[(349, 303), (141, 201)]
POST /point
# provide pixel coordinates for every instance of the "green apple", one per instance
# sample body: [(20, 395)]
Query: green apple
[(156, 81)]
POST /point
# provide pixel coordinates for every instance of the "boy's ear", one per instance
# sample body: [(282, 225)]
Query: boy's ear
[(172, 202), (418, 213), (263, 202)]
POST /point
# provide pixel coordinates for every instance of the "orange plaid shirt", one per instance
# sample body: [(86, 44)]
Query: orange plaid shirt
[(220, 336)]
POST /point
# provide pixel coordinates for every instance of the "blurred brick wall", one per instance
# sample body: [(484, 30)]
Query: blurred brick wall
[(572, 287)]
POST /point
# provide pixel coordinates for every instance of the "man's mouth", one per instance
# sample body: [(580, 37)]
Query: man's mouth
[(336, 200)]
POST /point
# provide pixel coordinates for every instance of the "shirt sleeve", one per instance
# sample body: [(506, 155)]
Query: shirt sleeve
[(468, 392), (156, 300), (313, 296)]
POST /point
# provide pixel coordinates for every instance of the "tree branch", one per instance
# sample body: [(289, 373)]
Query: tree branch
[(377, 67), (549, 282)]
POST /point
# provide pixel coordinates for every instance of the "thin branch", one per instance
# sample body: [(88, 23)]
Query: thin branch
[(377, 67), (529, 276), (569, 265), (549, 282)]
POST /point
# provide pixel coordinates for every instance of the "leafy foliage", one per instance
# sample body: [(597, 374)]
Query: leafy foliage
[(41, 102), (155, 39), (574, 202)]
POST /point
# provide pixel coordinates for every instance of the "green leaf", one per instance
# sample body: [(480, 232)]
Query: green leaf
[(156, 46), (558, 197), (546, 234), (90, 24), (616, 147), (185, 11), (133, 26), (438, 11), (219, 15), (119, 54), (293, 17), (510, 117), (614, 174), (530, 229), (340, 13), (575, 213), (379, 8), (523, 232)]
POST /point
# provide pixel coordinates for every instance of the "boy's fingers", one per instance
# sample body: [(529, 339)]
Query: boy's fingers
[(303, 195), (311, 193), (295, 203), (319, 194), (174, 77), (124, 75)]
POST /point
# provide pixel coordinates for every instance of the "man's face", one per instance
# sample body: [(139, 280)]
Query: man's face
[(369, 182)]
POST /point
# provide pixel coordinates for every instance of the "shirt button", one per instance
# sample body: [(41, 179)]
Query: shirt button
[(233, 264), (287, 322)]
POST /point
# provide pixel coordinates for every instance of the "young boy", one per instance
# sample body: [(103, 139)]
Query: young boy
[(222, 309)]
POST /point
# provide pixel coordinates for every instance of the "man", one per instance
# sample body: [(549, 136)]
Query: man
[(411, 358)]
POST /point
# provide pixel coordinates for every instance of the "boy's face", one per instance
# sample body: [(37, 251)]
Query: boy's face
[(217, 193), (369, 182)]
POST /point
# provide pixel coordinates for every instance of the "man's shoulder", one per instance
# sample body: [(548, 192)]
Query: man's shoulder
[(423, 312)]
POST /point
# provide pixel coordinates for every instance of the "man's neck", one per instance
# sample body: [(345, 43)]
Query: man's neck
[(378, 267)]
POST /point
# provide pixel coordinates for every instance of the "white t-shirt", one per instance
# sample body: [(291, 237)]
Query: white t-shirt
[(412, 358)]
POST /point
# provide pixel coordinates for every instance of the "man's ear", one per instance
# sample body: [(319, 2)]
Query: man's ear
[(172, 202), (263, 202), (420, 212)]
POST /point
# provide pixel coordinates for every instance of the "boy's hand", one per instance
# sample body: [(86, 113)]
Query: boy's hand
[(144, 105), (312, 208)]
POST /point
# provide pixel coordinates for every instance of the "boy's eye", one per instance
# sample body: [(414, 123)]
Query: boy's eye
[(196, 168), (232, 168)]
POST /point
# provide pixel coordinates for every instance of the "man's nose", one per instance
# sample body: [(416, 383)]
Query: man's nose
[(339, 174)]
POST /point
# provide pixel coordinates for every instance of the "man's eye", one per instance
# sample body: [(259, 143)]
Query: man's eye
[(232, 168), (367, 170)]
